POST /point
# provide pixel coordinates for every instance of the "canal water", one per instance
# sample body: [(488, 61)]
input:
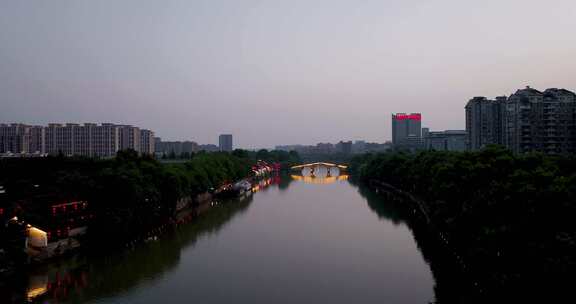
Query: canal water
[(297, 239)]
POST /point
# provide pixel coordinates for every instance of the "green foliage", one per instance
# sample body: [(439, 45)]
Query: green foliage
[(286, 159), (511, 215), (126, 194)]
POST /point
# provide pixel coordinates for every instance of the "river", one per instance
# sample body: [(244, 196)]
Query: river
[(297, 239)]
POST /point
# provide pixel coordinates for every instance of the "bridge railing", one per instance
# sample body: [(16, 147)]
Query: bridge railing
[(343, 167)]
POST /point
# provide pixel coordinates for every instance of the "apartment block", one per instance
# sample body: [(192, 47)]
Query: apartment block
[(176, 147), (541, 121), (90, 140), (485, 122), (527, 121), (147, 143)]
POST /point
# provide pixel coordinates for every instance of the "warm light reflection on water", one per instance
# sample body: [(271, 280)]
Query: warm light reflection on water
[(319, 180), (290, 242), (320, 175)]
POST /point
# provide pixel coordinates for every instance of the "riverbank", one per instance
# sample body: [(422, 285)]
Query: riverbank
[(509, 217), (189, 210), (111, 271), (50, 206), (455, 282), (293, 242)]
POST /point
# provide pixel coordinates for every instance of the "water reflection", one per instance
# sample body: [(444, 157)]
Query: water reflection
[(451, 283), (320, 175), (83, 277), (386, 209), (307, 244)]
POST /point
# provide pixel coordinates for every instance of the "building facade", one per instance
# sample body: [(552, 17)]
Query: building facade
[(176, 147), (485, 122), (90, 140), (225, 143), (130, 138), (407, 130), (541, 121), (14, 138), (147, 143), (449, 140), (527, 121), (344, 147), (22, 139)]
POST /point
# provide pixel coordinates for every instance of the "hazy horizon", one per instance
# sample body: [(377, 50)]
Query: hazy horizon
[(287, 72)]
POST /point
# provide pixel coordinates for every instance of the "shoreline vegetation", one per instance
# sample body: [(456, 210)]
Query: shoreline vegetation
[(108, 203), (509, 218)]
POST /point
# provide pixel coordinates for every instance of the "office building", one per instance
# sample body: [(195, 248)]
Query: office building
[(225, 143), (407, 130), (449, 140)]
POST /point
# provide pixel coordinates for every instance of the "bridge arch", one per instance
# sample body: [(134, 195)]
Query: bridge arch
[(316, 164)]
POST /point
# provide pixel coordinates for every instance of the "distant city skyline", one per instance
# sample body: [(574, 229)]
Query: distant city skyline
[(275, 72)]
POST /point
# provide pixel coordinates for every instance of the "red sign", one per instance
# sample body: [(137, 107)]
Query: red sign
[(408, 116)]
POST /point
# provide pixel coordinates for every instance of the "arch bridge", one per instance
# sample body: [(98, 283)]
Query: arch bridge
[(320, 164)]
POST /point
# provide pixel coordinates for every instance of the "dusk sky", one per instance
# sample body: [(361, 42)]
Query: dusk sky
[(275, 72)]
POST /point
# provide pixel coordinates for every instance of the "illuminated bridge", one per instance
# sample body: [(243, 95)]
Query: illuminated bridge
[(319, 164)]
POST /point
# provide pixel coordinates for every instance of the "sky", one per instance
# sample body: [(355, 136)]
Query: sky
[(278, 71)]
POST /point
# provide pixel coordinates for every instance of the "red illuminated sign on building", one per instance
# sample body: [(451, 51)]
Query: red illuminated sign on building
[(408, 116)]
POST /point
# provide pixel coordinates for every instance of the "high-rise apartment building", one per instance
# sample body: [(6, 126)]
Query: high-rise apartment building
[(359, 146), (69, 139), (147, 142), (130, 138), (21, 139), (37, 140), (344, 147), (541, 121), (527, 121), (82, 139), (14, 138), (484, 122), (225, 143), (407, 130), (106, 140)]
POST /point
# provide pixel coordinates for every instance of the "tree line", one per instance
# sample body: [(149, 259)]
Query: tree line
[(510, 216), (127, 194)]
